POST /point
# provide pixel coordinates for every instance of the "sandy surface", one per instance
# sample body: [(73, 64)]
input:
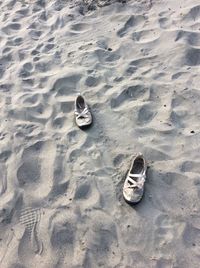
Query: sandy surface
[(137, 64)]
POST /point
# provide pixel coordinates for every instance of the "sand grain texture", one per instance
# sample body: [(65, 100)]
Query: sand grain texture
[(137, 63)]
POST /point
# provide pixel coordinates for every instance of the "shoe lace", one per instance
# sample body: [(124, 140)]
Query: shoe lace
[(83, 114), (136, 184)]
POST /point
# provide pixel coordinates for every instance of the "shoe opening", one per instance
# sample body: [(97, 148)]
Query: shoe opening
[(80, 103), (138, 166)]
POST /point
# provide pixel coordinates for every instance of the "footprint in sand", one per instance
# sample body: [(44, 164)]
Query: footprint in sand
[(164, 22), (181, 114), (82, 191), (188, 37), (146, 114), (35, 172), (26, 70), (92, 81), (63, 227), (106, 57), (191, 237), (80, 27), (6, 50), (35, 35), (192, 57), (131, 23), (167, 234), (30, 218), (29, 172), (65, 86), (102, 240), (4, 155), (48, 48), (11, 28), (193, 15), (131, 93), (59, 123), (146, 36)]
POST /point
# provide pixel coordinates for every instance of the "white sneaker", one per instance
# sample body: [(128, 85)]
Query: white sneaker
[(134, 184), (82, 113)]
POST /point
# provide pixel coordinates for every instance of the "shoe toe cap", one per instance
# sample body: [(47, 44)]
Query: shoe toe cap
[(133, 195)]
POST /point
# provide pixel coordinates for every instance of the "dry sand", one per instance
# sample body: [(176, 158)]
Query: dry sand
[(137, 64)]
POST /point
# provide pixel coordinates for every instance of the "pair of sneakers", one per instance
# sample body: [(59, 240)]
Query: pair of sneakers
[(133, 188)]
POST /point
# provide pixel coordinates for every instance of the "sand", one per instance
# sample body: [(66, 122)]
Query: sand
[(137, 63)]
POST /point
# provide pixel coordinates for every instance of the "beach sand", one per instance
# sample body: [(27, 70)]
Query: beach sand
[(137, 63)]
